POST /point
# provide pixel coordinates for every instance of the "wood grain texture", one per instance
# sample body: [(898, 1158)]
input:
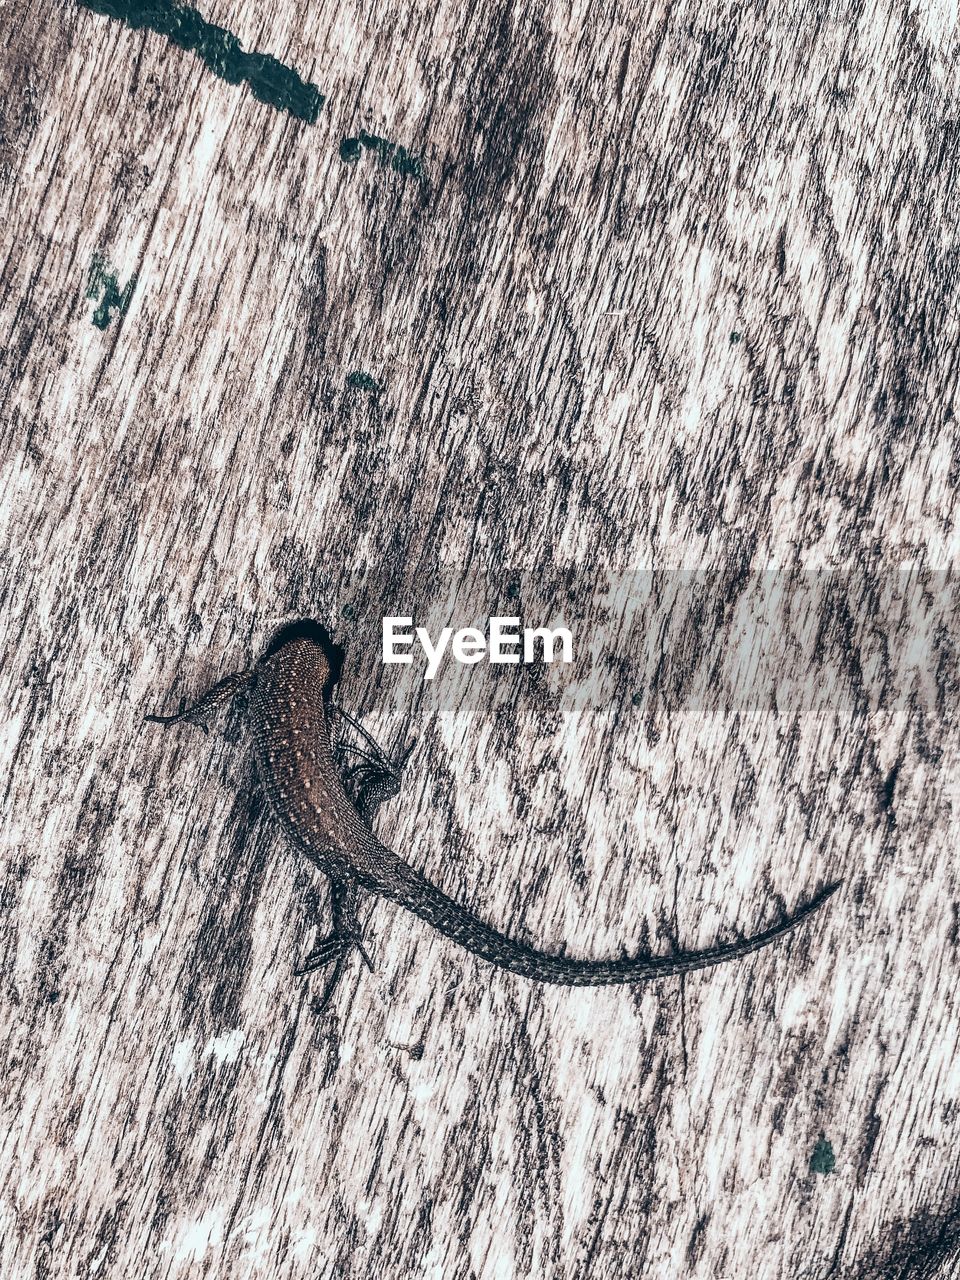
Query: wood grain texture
[(678, 290)]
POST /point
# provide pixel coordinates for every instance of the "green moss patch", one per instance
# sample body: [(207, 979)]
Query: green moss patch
[(220, 51), (823, 1160)]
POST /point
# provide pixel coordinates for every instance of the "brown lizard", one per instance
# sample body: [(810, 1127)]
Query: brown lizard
[(290, 692)]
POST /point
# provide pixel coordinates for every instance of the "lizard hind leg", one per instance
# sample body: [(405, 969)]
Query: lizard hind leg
[(345, 936), (375, 779)]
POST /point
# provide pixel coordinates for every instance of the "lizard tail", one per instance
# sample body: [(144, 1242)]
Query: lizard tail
[(388, 876)]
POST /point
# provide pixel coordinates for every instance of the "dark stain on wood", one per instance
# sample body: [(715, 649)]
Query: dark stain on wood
[(220, 51)]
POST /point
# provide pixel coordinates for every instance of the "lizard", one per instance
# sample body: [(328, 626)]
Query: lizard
[(290, 707)]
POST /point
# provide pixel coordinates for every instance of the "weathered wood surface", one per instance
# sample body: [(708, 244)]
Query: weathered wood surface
[(678, 289)]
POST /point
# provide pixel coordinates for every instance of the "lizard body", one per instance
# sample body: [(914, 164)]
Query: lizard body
[(290, 705)]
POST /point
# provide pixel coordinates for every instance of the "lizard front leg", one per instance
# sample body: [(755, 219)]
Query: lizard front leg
[(221, 692), (376, 776)]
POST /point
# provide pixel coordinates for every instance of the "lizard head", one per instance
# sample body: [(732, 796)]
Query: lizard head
[(315, 644)]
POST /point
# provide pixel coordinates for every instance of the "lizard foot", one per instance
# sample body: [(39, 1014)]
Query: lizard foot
[(333, 949)]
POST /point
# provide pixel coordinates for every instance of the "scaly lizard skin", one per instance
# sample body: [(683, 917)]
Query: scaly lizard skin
[(290, 707)]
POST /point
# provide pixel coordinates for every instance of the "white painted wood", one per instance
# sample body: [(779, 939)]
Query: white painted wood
[(679, 290)]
